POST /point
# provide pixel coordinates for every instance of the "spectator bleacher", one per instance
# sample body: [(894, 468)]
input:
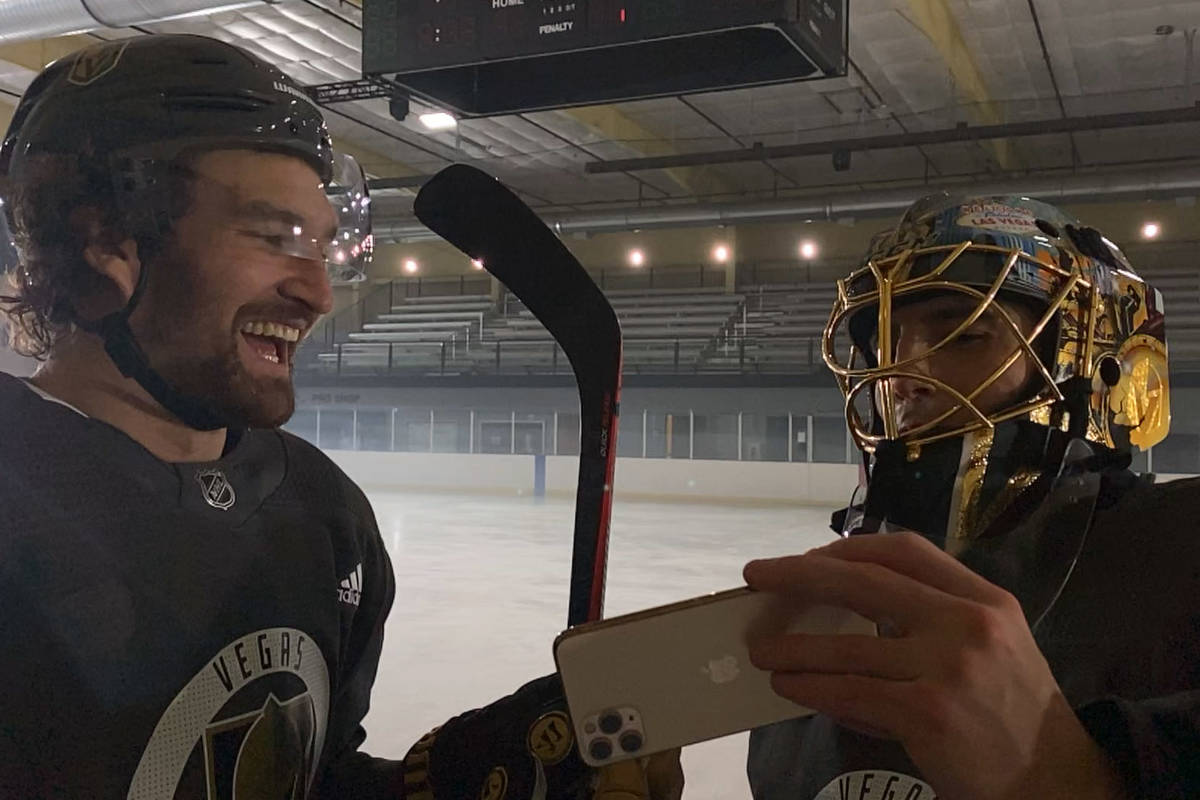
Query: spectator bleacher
[(663, 329), (768, 328), (413, 336), (1181, 298)]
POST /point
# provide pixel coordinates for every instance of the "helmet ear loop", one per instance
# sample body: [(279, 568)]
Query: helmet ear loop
[(135, 186)]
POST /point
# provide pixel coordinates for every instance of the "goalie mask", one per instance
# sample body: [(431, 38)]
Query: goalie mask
[(1091, 332)]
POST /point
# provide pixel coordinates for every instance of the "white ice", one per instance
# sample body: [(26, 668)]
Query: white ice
[(481, 592)]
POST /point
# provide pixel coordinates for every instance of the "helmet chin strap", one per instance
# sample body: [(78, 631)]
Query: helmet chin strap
[(916, 493), (132, 361)]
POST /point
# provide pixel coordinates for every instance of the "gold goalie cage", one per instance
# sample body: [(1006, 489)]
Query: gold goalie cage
[(874, 290)]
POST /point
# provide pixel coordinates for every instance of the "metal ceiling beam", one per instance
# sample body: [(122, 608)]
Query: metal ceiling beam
[(360, 89), (1161, 183), (962, 133), (617, 126), (935, 19), (726, 132), (408, 182)]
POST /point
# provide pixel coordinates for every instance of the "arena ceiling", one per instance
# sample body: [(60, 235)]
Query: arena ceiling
[(915, 66)]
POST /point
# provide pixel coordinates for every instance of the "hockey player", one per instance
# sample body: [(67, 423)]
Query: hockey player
[(192, 601), (1038, 633)]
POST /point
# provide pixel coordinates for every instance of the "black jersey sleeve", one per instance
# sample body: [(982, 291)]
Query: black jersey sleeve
[(348, 771), (1153, 743)]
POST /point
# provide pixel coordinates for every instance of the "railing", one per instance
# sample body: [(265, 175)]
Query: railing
[(458, 355), (681, 433), (780, 434), (338, 326), (448, 286)]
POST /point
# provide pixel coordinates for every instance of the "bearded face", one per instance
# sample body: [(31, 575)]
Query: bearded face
[(225, 305)]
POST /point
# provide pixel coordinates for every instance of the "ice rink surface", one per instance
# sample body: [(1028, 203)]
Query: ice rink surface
[(481, 592)]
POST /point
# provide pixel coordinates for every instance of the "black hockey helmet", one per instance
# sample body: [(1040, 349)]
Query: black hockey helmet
[(133, 107), (150, 98)]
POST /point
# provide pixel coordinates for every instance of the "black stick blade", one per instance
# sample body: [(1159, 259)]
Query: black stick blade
[(481, 217)]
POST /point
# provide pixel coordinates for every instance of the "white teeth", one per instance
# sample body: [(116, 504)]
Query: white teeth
[(273, 329)]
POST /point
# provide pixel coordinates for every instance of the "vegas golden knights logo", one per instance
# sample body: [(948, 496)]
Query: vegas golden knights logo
[(266, 753), (94, 63), (250, 724)]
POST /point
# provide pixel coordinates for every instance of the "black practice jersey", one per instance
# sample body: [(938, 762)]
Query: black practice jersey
[(1123, 641), (207, 630)]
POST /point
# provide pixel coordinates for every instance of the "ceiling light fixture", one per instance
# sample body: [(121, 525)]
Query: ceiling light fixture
[(438, 121)]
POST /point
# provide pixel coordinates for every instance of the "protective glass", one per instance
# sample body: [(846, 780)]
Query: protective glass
[(10, 259), (345, 252), (349, 254)]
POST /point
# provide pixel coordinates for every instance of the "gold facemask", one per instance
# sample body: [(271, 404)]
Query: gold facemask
[(1099, 312)]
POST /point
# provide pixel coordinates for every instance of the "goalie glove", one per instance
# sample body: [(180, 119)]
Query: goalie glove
[(520, 747)]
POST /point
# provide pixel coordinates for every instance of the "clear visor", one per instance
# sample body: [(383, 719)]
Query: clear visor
[(860, 347), (346, 256), (352, 248), (10, 259)]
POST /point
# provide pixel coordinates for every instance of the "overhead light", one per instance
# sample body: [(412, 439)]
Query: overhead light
[(476, 263), (637, 258), (411, 266), (1151, 230), (438, 121), (720, 254), (808, 249)]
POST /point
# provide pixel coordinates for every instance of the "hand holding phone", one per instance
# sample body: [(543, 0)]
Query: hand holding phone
[(679, 674)]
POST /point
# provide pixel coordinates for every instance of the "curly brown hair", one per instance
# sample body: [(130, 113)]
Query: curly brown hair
[(51, 274)]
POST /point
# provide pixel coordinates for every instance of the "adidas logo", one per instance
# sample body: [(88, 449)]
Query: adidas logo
[(350, 590)]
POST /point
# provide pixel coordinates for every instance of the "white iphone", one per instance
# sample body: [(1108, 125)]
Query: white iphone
[(679, 674)]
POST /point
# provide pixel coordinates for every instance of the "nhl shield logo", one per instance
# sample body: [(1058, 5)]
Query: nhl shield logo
[(94, 63), (218, 492)]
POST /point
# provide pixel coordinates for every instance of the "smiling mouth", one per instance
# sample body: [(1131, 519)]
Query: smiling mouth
[(274, 342)]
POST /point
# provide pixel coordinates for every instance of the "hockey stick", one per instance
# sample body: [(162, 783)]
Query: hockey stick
[(478, 215)]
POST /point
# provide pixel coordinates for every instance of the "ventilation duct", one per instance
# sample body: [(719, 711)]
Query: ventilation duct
[(21, 20)]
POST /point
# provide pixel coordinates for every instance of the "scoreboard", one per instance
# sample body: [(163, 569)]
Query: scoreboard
[(483, 57)]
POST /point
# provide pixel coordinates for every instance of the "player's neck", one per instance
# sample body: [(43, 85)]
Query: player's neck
[(81, 374)]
